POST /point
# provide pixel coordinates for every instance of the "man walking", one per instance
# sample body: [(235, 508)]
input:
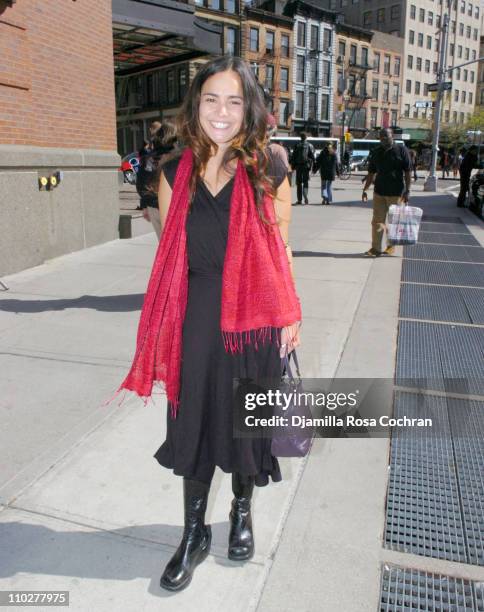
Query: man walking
[(301, 160), (389, 167), (468, 164)]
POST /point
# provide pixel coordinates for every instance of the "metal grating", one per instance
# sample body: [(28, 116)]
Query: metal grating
[(423, 509), (474, 301), (467, 427), (442, 273), (436, 238), (434, 303), (404, 589), (444, 253), (440, 219), (444, 228)]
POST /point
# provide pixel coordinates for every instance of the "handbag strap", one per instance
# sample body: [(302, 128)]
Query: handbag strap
[(286, 365)]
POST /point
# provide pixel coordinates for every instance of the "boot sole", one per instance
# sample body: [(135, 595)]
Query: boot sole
[(238, 558), (170, 587)]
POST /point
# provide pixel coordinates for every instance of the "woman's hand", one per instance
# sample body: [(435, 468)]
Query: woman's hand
[(290, 338)]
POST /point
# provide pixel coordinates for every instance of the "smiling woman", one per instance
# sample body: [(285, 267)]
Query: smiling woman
[(221, 302)]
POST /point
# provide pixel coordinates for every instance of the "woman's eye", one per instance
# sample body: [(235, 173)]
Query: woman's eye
[(209, 99), (237, 102)]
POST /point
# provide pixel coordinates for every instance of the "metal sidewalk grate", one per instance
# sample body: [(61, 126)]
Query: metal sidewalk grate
[(445, 228), (441, 219), (434, 303), (404, 589), (444, 253), (436, 238), (442, 273), (423, 514), (474, 300)]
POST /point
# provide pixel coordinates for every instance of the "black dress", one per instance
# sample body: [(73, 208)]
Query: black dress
[(201, 436)]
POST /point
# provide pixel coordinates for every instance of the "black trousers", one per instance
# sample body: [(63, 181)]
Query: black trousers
[(464, 188), (302, 181)]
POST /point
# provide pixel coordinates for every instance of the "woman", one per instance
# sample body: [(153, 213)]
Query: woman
[(220, 303), (162, 144), (327, 164)]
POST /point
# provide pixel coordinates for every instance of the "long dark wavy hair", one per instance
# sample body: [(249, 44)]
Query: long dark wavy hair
[(249, 145)]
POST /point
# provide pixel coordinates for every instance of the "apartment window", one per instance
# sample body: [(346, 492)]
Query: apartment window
[(452, 27), (437, 21), (380, 15), (468, 31), (457, 74), (374, 89), (421, 15), (475, 35), (367, 18), (230, 6), (419, 63), (255, 69), (353, 54), (327, 40), (386, 65), (461, 29), (314, 42), (456, 95), (411, 37), (313, 72), (332, 4), (364, 56), (474, 54), (437, 44), (284, 45), (472, 76), (363, 87), (231, 41), (341, 49), (466, 72), (420, 39), (467, 54), (394, 117), (312, 112), (386, 91), (470, 97), (426, 89), (351, 84), (463, 97), (395, 93), (417, 87), (430, 18), (476, 13), (469, 10), (446, 116), (454, 116), (376, 62), (395, 12), (410, 61), (435, 68), (270, 42), (427, 66), (413, 11), (396, 67), (452, 49), (215, 4), (406, 112), (463, 7), (284, 79), (300, 63), (461, 118), (283, 112), (415, 113), (429, 42), (408, 86), (269, 76), (254, 39), (459, 51), (325, 107), (326, 73), (374, 117), (301, 34), (299, 104)]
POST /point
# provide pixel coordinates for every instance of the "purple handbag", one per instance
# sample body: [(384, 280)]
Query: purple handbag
[(295, 441)]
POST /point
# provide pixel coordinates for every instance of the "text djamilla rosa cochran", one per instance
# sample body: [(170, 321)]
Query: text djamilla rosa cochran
[(332, 420)]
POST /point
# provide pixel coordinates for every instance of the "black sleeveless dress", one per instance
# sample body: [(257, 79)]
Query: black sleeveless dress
[(201, 437)]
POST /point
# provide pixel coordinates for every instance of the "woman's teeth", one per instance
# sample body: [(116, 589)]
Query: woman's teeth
[(220, 126)]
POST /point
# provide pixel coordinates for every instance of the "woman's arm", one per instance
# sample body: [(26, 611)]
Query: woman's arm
[(164, 198)]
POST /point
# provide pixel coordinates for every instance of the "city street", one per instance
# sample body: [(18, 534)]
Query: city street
[(84, 506)]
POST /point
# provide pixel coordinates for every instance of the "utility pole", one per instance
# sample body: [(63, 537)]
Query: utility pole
[(431, 181)]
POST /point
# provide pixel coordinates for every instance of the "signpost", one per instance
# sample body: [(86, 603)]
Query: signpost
[(446, 86), (425, 104)]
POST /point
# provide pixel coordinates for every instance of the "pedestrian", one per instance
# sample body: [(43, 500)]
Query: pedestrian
[(445, 163), (221, 302), (413, 160), (390, 168), (456, 162), (327, 165), (277, 150), (301, 161), (161, 145), (346, 159), (468, 164)]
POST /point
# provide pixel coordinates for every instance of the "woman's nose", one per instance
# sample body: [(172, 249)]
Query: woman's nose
[(223, 109)]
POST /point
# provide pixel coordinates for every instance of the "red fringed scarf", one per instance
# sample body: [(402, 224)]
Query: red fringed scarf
[(257, 291)]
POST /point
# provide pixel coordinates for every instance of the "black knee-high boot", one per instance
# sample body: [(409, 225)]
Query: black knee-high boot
[(197, 537), (241, 538)]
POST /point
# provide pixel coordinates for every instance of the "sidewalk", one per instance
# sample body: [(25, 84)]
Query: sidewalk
[(85, 507)]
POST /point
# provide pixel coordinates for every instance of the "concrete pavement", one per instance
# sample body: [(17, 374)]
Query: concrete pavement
[(85, 507)]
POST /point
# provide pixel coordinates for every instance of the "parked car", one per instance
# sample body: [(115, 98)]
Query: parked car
[(129, 167), (476, 193), (357, 162)]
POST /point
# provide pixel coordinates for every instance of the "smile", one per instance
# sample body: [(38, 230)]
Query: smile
[(219, 126)]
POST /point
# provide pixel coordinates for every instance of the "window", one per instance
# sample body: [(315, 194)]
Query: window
[(255, 69), (312, 111), (472, 76), (394, 117), (406, 112), (395, 12), (313, 72), (437, 44), (231, 41), (467, 54), (284, 45), (436, 67), (386, 65), (427, 66), (430, 18), (463, 97), (367, 18), (420, 40), (269, 76), (364, 56), (299, 104), (446, 116), (469, 10), (301, 34), (461, 29), (386, 91), (363, 87), (459, 51), (466, 72), (327, 40), (473, 54), (462, 6), (326, 73), (461, 118), (452, 49), (475, 35), (476, 13), (341, 49), (284, 80), (353, 54), (457, 74), (374, 117), (314, 42), (468, 31), (376, 62), (396, 67), (429, 42), (454, 116), (270, 42), (374, 90), (254, 39), (300, 63), (456, 95), (230, 6), (215, 4), (419, 63), (380, 15), (351, 84), (395, 93), (411, 37), (470, 97), (421, 15), (410, 61), (408, 86), (417, 87), (437, 21), (413, 11), (426, 89), (452, 26), (283, 112), (325, 107)]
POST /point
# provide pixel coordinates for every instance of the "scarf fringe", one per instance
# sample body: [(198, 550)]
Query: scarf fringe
[(235, 341)]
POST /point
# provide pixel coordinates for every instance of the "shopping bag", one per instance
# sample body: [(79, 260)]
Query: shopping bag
[(403, 224)]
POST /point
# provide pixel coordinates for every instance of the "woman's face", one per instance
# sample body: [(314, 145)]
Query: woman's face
[(221, 109)]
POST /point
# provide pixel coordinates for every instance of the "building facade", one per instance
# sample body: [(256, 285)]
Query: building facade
[(480, 72)]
